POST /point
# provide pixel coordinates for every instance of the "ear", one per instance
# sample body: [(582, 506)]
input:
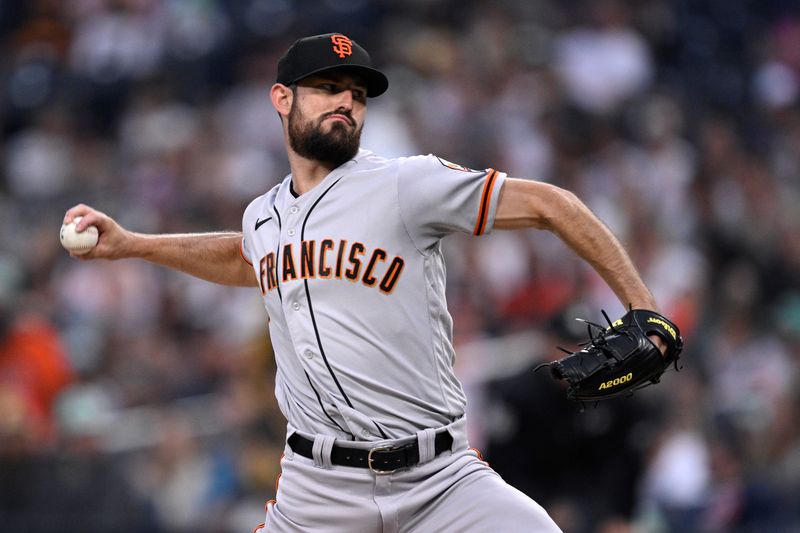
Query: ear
[(281, 97)]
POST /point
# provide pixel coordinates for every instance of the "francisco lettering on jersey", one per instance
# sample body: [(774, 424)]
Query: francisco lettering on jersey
[(330, 259)]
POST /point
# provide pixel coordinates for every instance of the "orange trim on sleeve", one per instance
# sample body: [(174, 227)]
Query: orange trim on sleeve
[(258, 528), (480, 456), (486, 198), (241, 252)]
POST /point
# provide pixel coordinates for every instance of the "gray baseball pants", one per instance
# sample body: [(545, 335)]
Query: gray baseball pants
[(454, 492)]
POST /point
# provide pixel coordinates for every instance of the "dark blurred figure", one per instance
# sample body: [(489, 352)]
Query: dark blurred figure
[(580, 463), (69, 494)]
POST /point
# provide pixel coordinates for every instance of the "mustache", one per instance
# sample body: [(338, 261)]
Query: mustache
[(346, 114)]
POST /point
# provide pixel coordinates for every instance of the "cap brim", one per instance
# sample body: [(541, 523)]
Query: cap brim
[(374, 79)]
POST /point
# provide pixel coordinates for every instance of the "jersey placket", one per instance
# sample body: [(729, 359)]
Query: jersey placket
[(297, 308)]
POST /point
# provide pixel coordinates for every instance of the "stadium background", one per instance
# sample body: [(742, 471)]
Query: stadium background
[(137, 399)]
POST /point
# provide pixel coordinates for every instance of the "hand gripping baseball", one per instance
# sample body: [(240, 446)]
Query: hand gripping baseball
[(619, 359), (114, 240)]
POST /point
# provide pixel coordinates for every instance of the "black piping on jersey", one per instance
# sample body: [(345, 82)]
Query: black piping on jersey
[(352, 437), (380, 429), (314, 320), (311, 307), (277, 254)]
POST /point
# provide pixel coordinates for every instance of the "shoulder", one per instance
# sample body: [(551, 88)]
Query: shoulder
[(369, 161), (425, 166), (262, 204)]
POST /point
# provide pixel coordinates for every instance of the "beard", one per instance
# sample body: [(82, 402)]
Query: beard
[(336, 147)]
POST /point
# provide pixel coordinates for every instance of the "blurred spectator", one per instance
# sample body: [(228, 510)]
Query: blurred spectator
[(678, 481), (33, 370), (117, 40), (181, 480), (606, 63), (39, 160)]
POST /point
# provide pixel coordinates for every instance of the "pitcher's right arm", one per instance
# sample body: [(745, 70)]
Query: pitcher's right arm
[(214, 257)]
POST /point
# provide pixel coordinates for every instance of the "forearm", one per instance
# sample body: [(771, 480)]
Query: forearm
[(213, 257), (543, 206), (584, 233)]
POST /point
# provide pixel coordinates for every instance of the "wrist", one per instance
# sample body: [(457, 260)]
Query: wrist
[(647, 303), (134, 244)]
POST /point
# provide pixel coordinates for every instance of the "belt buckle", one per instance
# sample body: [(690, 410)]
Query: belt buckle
[(370, 459)]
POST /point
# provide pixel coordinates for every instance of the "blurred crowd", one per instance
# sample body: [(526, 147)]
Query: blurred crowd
[(137, 399)]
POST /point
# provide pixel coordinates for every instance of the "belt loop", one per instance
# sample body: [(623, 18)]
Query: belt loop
[(288, 451), (321, 451), (426, 442), (458, 430)]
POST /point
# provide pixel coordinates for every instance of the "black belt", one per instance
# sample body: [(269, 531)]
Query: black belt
[(380, 460)]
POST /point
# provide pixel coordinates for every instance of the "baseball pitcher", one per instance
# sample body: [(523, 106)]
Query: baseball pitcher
[(346, 253)]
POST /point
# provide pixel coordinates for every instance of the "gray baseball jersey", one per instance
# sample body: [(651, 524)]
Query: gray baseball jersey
[(353, 281)]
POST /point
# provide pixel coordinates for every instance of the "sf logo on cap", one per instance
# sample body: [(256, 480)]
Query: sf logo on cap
[(342, 46)]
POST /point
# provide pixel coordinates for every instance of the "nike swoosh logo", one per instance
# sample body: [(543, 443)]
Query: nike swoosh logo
[(259, 223)]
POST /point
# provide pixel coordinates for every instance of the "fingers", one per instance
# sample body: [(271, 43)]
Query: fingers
[(659, 342), (91, 217), (77, 211)]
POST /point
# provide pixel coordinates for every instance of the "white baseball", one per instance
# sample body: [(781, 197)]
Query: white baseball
[(78, 243)]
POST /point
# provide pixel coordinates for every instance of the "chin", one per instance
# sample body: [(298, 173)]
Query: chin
[(338, 126)]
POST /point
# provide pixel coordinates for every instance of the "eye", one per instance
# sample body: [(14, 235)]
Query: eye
[(329, 87), (359, 94)]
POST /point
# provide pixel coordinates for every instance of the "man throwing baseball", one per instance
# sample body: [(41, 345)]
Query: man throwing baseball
[(346, 253)]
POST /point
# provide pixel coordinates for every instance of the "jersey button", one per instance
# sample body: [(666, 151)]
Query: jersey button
[(365, 433), (309, 354), (290, 232), (296, 306), (294, 209)]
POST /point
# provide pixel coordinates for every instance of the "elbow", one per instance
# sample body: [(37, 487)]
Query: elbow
[(562, 208), (534, 204)]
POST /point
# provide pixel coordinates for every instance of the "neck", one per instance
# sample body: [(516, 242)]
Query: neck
[(306, 173)]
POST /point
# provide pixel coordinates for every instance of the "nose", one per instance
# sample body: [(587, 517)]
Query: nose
[(346, 99)]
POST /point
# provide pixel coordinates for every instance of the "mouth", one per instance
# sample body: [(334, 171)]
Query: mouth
[(338, 117)]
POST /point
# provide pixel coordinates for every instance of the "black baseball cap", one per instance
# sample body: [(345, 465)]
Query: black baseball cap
[(330, 51)]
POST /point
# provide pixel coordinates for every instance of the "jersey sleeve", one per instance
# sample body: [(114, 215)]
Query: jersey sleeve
[(244, 248), (437, 198), (248, 232)]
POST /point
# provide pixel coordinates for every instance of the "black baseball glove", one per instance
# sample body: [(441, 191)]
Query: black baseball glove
[(619, 359)]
